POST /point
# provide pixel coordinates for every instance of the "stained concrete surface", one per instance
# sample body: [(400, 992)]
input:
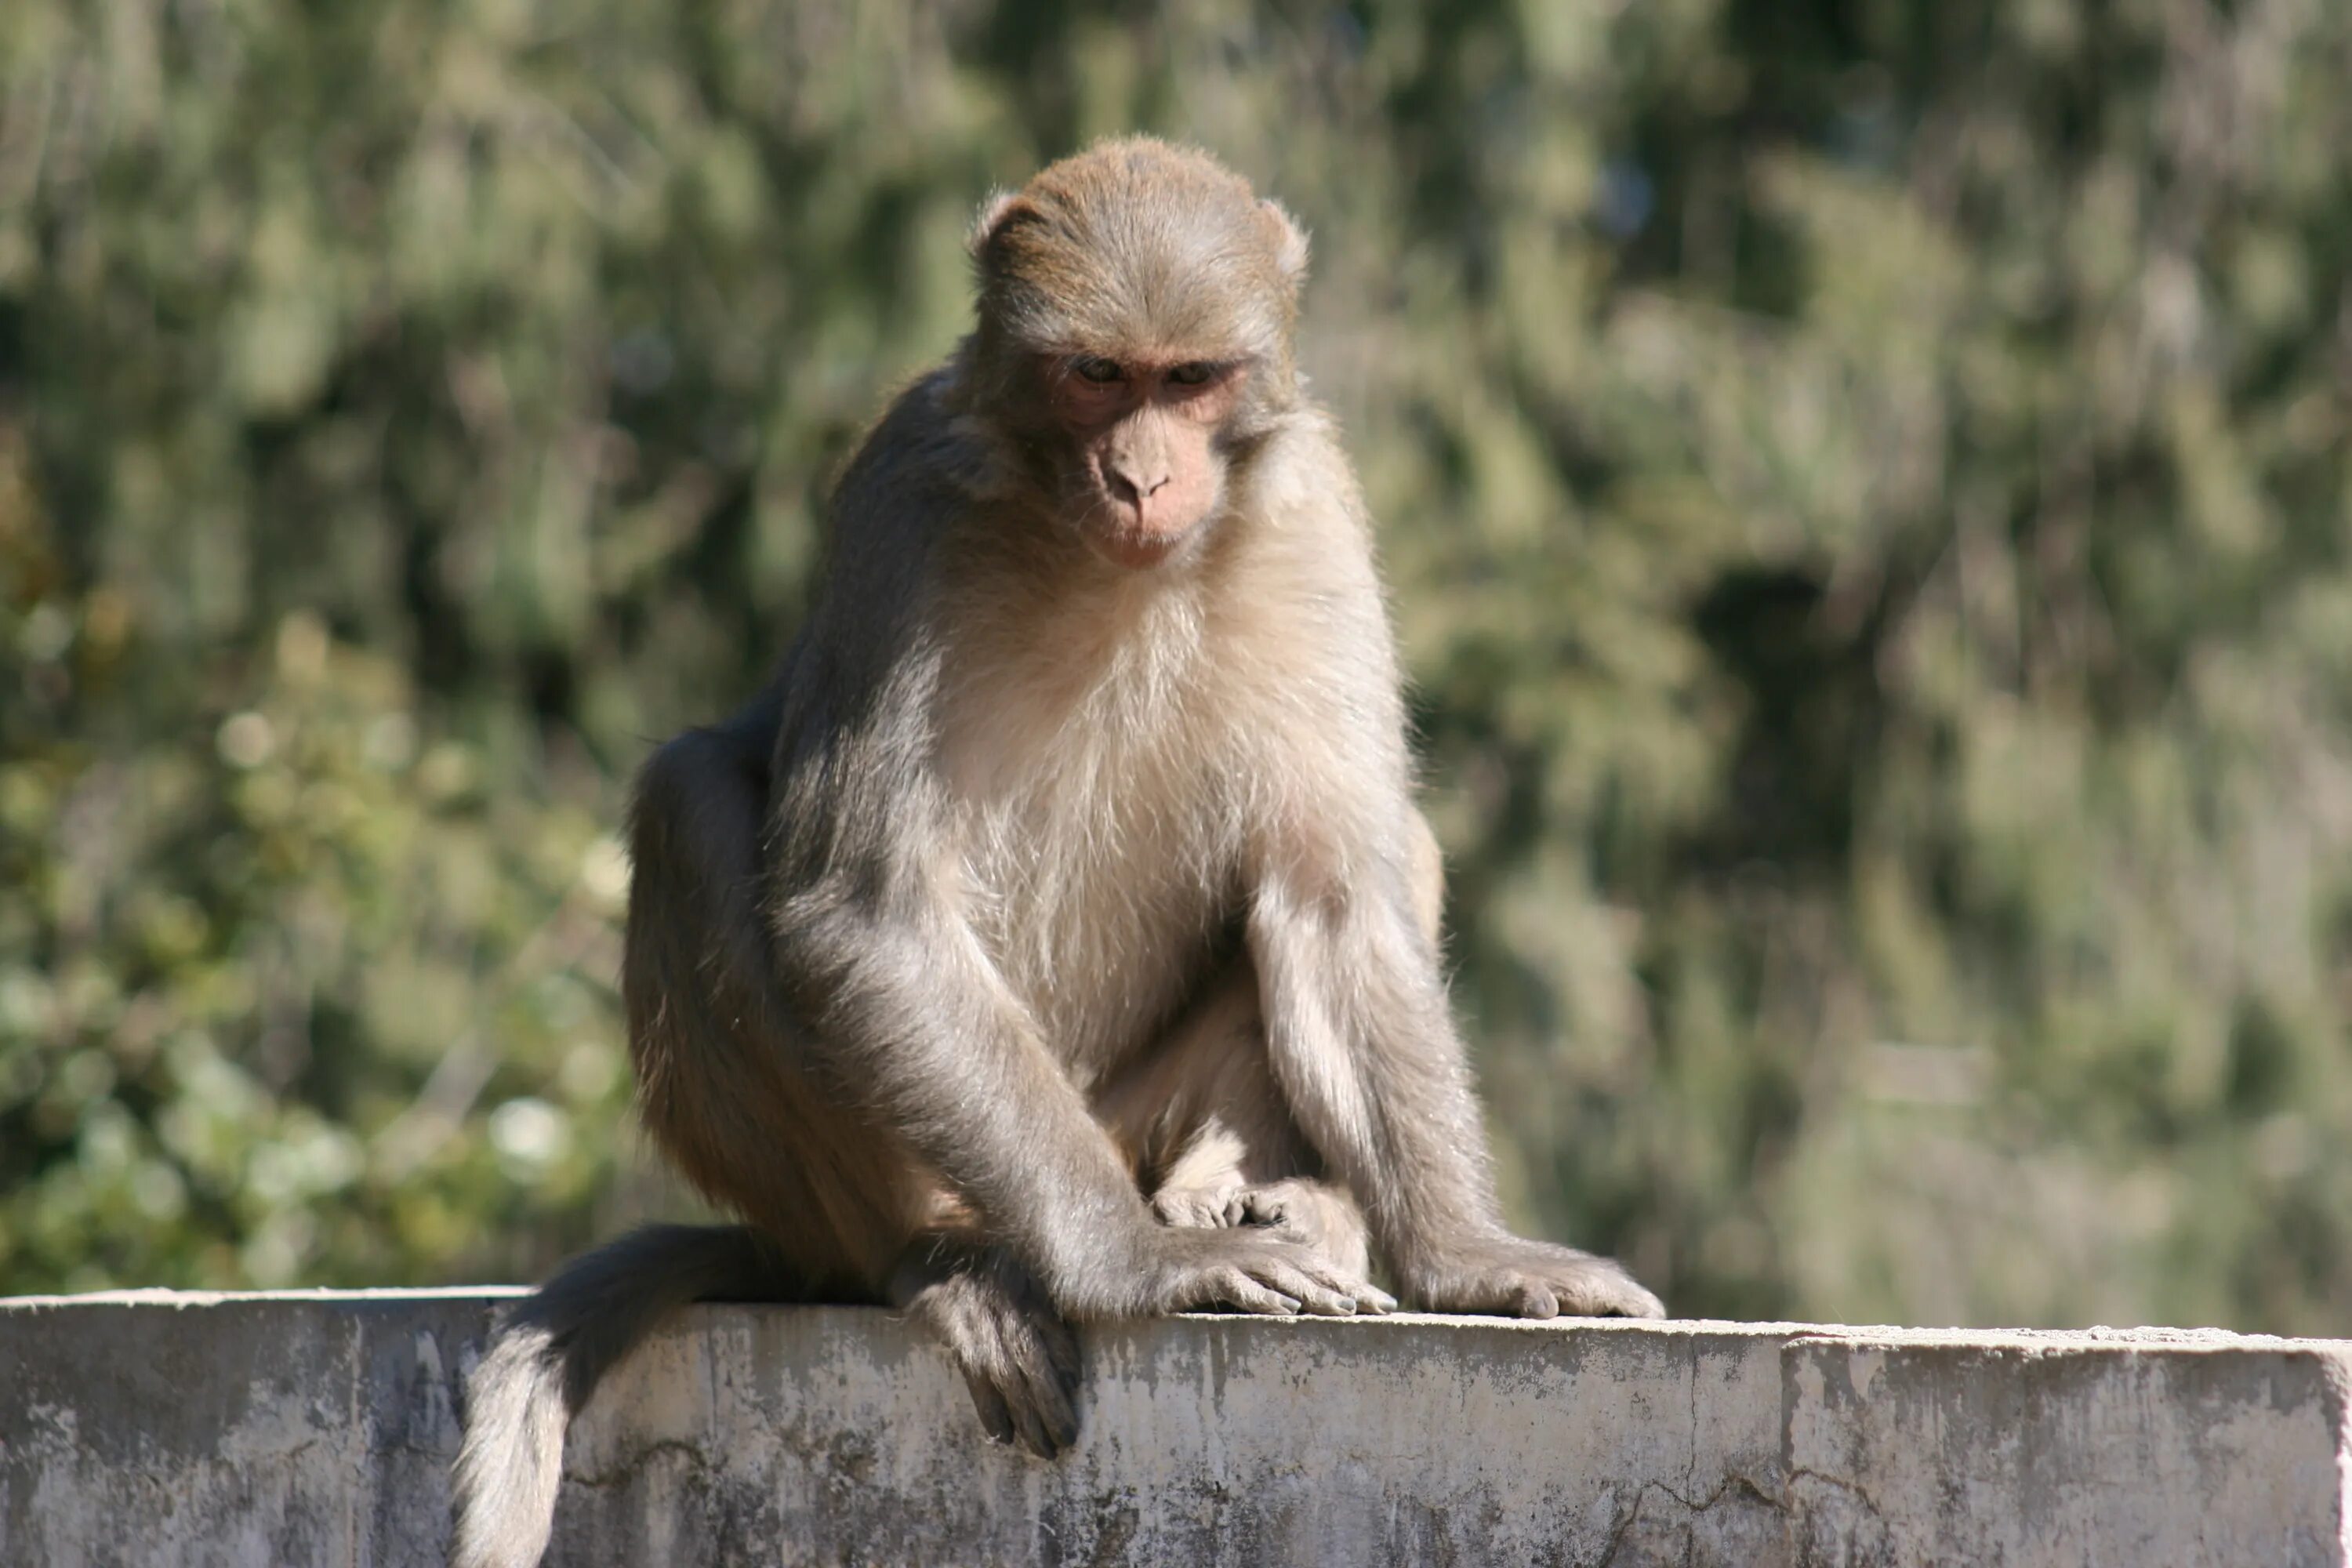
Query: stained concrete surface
[(318, 1428)]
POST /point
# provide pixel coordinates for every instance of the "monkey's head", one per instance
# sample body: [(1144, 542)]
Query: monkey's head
[(1137, 303)]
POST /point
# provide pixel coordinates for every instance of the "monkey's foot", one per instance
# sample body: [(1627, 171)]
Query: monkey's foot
[(1314, 1210), (1018, 1358), (1206, 1207), (1319, 1216), (1514, 1278)]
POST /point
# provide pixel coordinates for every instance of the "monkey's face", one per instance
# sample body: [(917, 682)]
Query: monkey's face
[(1136, 310), (1146, 471)]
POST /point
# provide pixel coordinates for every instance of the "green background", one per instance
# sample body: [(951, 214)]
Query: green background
[(1865, 487)]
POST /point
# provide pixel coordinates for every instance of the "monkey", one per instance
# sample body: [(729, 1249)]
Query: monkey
[(1054, 939)]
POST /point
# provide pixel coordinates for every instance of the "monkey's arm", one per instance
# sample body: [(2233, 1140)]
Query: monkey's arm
[(1343, 884), (1365, 1048)]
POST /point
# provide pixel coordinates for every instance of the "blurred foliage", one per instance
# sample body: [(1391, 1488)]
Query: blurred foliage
[(1866, 486)]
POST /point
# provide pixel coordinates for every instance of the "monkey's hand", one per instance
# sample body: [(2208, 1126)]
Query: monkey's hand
[(1317, 1216), (1251, 1270), (1510, 1277), (1018, 1357)]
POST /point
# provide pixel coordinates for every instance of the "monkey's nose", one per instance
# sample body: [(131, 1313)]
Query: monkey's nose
[(1130, 485)]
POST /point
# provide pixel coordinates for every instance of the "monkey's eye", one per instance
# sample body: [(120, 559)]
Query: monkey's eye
[(1194, 373), (1101, 372)]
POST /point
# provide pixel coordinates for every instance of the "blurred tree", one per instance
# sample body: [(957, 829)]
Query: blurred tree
[(1865, 484)]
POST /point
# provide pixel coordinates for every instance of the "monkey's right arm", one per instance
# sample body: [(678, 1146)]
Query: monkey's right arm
[(905, 1017)]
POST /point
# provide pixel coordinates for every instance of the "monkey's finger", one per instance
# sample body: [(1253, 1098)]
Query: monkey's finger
[(1536, 1301), (1056, 1418), (1317, 1297), (1000, 1368), (1627, 1301), (1037, 1433), (1627, 1298), (1061, 1419), (1331, 1279), (1371, 1298), (1602, 1288), (1237, 1290), (1050, 1390), (1328, 1303), (996, 1418), (1061, 1358)]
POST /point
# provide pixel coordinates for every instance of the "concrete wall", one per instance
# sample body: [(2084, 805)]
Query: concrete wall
[(155, 1428)]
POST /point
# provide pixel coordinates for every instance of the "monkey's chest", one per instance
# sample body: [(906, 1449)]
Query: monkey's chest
[(1099, 907), (1085, 756)]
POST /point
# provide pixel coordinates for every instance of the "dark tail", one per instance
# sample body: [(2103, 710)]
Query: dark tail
[(549, 1354)]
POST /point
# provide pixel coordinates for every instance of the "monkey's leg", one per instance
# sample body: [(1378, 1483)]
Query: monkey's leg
[(717, 1083), (1204, 1125), (838, 1206), (843, 1198)]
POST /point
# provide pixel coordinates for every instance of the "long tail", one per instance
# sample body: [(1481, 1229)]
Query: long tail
[(548, 1354)]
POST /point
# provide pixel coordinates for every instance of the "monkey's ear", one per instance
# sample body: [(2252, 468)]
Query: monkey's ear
[(1289, 241), (1001, 211)]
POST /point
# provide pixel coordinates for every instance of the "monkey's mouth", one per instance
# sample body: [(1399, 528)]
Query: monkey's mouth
[(1140, 549), (1130, 541)]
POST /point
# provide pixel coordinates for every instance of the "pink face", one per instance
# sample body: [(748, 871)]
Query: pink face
[(1149, 472)]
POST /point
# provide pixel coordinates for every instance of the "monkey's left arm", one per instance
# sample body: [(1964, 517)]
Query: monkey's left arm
[(1364, 1046), (1358, 1026)]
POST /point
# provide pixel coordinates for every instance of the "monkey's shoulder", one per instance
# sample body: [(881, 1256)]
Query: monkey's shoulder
[(917, 461)]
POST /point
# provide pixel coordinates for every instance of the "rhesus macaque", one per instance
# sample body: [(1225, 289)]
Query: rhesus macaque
[(1055, 939)]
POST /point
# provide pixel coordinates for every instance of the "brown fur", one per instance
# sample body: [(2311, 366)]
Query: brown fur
[(1056, 938)]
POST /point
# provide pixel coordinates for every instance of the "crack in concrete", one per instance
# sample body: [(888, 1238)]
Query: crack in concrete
[(1838, 1484), (1816, 1535), (1697, 1508)]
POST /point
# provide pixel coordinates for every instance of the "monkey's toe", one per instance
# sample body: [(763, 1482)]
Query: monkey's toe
[(1195, 1208), (1587, 1287)]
